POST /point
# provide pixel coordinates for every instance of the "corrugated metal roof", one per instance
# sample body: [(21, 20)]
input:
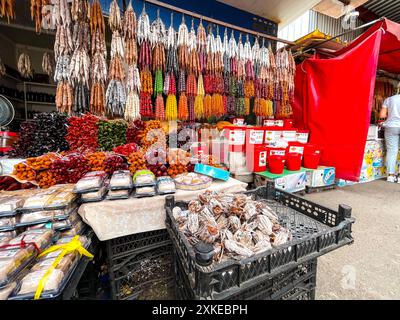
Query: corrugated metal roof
[(385, 8)]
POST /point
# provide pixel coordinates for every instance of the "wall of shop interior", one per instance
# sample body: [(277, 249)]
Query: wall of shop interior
[(312, 20)]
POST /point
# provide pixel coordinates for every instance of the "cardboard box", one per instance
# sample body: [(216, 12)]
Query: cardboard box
[(321, 177), (289, 181)]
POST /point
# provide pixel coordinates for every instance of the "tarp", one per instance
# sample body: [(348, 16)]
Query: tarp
[(333, 97)]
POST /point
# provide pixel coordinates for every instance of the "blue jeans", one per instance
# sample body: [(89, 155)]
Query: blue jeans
[(392, 136)]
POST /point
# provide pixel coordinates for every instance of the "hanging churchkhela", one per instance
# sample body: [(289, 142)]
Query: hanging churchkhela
[(209, 75), (285, 68), (7, 9), (133, 86), (99, 64), (25, 66), (218, 108), (115, 94), (3, 70), (63, 48), (183, 61), (171, 105), (47, 64), (158, 37), (37, 10), (144, 63), (80, 60), (194, 71)]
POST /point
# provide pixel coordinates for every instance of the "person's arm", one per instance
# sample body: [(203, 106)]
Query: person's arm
[(383, 114)]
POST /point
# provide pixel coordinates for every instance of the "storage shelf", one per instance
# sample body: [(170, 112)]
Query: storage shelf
[(13, 99), (40, 84), (42, 103)]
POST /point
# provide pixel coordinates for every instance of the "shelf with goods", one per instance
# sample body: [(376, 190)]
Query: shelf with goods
[(19, 93)]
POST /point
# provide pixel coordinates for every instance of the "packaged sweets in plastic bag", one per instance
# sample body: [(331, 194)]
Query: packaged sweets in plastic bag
[(192, 181), (52, 270), (12, 261), (38, 201), (6, 291), (64, 265), (121, 180), (90, 182), (31, 218), (118, 194), (165, 185), (94, 196), (40, 239), (8, 223), (4, 239), (31, 281), (144, 178), (145, 192), (76, 229), (82, 239), (60, 200), (7, 234), (67, 223), (10, 205)]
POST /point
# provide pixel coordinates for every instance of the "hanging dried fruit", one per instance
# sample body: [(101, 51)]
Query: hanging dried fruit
[(25, 66), (47, 64), (7, 9)]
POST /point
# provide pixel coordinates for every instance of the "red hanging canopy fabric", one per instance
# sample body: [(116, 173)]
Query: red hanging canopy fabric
[(333, 97)]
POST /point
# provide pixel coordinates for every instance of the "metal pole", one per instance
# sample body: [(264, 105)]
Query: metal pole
[(339, 35), (215, 21)]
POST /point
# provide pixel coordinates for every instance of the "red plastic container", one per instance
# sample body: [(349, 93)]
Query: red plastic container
[(293, 161), (276, 164), (236, 136), (199, 149), (289, 134), (274, 151), (272, 134), (257, 161), (255, 136), (288, 123), (295, 147), (302, 136), (269, 123), (311, 160), (310, 148)]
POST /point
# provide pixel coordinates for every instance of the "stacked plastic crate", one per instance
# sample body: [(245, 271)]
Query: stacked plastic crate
[(284, 272)]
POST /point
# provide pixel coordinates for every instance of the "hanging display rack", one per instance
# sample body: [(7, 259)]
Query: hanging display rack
[(218, 22)]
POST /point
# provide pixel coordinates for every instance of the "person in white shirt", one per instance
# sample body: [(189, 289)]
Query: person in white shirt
[(390, 119)]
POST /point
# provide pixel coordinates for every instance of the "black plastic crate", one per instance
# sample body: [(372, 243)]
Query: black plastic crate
[(316, 230), (144, 275), (295, 284), (124, 246)]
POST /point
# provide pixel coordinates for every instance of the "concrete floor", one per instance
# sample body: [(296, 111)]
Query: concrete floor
[(370, 268)]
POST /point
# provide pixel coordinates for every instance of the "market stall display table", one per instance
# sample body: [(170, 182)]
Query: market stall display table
[(118, 218), (138, 248)]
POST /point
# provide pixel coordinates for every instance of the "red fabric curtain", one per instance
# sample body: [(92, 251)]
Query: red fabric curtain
[(334, 101)]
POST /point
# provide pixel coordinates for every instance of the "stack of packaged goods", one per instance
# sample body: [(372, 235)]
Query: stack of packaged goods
[(92, 187), (29, 224), (55, 208), (120, 186)]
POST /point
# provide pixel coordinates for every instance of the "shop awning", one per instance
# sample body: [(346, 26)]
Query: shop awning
[(389, 50), (334, 96)]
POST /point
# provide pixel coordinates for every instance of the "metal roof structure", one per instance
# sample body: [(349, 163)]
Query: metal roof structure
[(385, 8)]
